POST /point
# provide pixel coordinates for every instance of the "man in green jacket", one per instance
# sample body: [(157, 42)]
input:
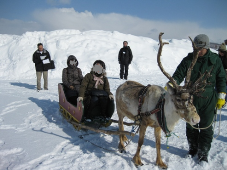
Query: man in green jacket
[(199, 140)]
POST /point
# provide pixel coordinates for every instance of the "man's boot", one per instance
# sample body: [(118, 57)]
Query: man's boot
[(203, 157)]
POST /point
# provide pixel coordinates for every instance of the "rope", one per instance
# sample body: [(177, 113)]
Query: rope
[(214, 121), (170, 134), (115, 150)]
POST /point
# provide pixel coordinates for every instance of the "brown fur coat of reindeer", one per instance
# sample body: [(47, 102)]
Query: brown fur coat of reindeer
[(178, 104)]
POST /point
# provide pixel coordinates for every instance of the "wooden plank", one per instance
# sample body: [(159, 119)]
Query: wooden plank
[(125, 123), (108, 132)]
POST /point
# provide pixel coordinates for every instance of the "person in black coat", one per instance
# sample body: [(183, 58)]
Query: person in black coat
[(223, 56), (124, 58), (41, 58)]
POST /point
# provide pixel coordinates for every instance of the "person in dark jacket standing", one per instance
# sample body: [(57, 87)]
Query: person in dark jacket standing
[(41, 58), (199, 140), (124, 58), (223, 55), (72, 78)]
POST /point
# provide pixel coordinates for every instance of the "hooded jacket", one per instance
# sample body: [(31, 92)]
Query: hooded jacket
[(38, 62), (72, 75)]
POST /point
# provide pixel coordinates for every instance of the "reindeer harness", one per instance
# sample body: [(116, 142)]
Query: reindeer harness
[(158, 111)]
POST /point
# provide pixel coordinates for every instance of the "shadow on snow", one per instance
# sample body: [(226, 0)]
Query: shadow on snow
[(28, 86), (50, 109)]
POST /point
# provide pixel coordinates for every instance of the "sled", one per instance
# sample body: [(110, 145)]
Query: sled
[(75, 114)]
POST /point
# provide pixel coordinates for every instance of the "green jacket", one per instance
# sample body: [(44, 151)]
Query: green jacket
[(88, 83), (204, 63)]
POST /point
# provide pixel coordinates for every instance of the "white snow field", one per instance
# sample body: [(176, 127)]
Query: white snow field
[(34, 135)]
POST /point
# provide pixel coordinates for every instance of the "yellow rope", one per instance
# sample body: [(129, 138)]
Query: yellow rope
[(209, 125)]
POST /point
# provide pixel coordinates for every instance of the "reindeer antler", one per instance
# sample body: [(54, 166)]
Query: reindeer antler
[(195, 57), (201, 83), (160, 64), (198, 86)]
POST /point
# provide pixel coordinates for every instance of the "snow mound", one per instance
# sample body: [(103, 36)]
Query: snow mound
[(16, 52)]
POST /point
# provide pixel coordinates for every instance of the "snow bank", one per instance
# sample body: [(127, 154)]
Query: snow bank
[(16, 52)]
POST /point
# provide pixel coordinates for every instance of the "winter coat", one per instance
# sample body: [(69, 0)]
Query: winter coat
[(224, 60), (217, 83), (88, 84), (125, 56), (38, 62), (72, 76), (204, 104), (203, 64)]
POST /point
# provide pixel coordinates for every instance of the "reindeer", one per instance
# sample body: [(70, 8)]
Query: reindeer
[(178, 103)]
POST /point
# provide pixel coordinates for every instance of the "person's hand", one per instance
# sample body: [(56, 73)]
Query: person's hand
[(71, 87), (111, 97), (80, 99), (221, 100)]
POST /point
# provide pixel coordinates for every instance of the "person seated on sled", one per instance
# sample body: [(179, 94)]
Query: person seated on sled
[(72, 78), (95, 90)]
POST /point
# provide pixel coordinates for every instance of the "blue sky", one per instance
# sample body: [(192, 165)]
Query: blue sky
[(178, 18)]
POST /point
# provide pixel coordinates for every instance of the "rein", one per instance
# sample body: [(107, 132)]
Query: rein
[(213, 122), (158, 111)]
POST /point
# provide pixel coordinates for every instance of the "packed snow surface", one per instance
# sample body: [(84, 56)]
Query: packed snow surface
[(34, 135)]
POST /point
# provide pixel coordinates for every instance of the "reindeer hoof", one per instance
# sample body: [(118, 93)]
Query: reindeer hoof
[(122, 150), (137, 161), (162, 165), (137, 166), (125, 138)]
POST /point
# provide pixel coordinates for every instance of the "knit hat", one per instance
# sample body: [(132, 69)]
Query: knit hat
[(202, 40), (222, 47)]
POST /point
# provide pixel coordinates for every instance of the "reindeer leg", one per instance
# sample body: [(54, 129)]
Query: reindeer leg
[(121, 146), (159, 162), (136, 158)]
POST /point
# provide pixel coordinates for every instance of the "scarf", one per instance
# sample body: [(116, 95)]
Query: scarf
[(98, 81)]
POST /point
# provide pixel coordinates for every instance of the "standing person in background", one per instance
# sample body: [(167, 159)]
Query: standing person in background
[(41, 58), (124, 58), (223, 56)]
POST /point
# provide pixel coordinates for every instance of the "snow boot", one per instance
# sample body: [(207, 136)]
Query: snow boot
[(191, 153), (203, 158)]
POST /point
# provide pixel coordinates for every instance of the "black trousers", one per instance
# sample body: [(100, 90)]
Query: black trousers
[(92, 101), (124, 71)]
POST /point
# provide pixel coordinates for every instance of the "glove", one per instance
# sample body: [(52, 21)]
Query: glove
[(111, 97), (80, 99), (169, 83), (221, 100)]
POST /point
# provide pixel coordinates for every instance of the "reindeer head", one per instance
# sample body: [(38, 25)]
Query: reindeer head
[(182, 96)]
